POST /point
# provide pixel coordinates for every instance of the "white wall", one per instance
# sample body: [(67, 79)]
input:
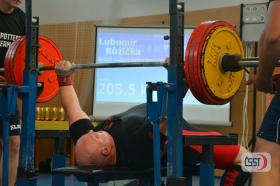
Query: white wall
[(61, 11)]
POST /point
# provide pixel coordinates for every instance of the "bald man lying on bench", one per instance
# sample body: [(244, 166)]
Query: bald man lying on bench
[(126, 139)]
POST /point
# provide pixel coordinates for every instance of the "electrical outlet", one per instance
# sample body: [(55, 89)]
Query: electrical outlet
[(254, 13)]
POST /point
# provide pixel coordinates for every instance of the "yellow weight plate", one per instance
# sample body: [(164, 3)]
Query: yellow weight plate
[(222, 40)]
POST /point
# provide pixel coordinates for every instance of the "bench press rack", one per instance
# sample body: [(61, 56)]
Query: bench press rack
[(8, 98), (156, 109), (173, 89)]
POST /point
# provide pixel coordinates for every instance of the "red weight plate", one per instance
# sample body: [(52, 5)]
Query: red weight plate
[(201, 83), (12, 55), (48, 55), (7, 71), (194, 65), (191, 70), (206, 28), (8, 63), (213, 25), (198, 78)]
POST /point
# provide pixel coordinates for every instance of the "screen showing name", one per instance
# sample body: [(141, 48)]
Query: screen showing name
[(118, 89)]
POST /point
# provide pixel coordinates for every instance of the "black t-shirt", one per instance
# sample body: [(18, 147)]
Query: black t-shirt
[(132, 134), (133, 137), (11, 26)]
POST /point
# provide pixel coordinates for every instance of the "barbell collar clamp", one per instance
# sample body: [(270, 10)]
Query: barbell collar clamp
[(230, 63), (234, 62)]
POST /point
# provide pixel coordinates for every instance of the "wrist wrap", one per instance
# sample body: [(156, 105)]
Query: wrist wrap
[(64, 80)]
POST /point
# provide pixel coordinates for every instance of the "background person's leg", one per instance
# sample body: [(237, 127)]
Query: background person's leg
[(271, 177), (268, 141), (14, 147), (13, 159)]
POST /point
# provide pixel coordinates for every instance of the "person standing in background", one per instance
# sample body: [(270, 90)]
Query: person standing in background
[(12, 25), (268, 135)]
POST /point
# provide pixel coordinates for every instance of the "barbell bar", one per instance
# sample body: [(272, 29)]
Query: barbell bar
[(105, 65), (229, 63), (213, 66)]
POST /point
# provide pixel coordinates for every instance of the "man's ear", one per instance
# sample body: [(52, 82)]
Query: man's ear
[(105, 151)]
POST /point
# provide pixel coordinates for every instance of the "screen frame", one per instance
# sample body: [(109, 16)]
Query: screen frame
[(219, 124)]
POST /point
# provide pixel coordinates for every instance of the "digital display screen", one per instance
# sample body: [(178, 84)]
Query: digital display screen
[(117, 89)]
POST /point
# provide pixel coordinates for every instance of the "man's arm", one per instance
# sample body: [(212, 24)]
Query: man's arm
[(269, 48), (71, 104), (69, 99)]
